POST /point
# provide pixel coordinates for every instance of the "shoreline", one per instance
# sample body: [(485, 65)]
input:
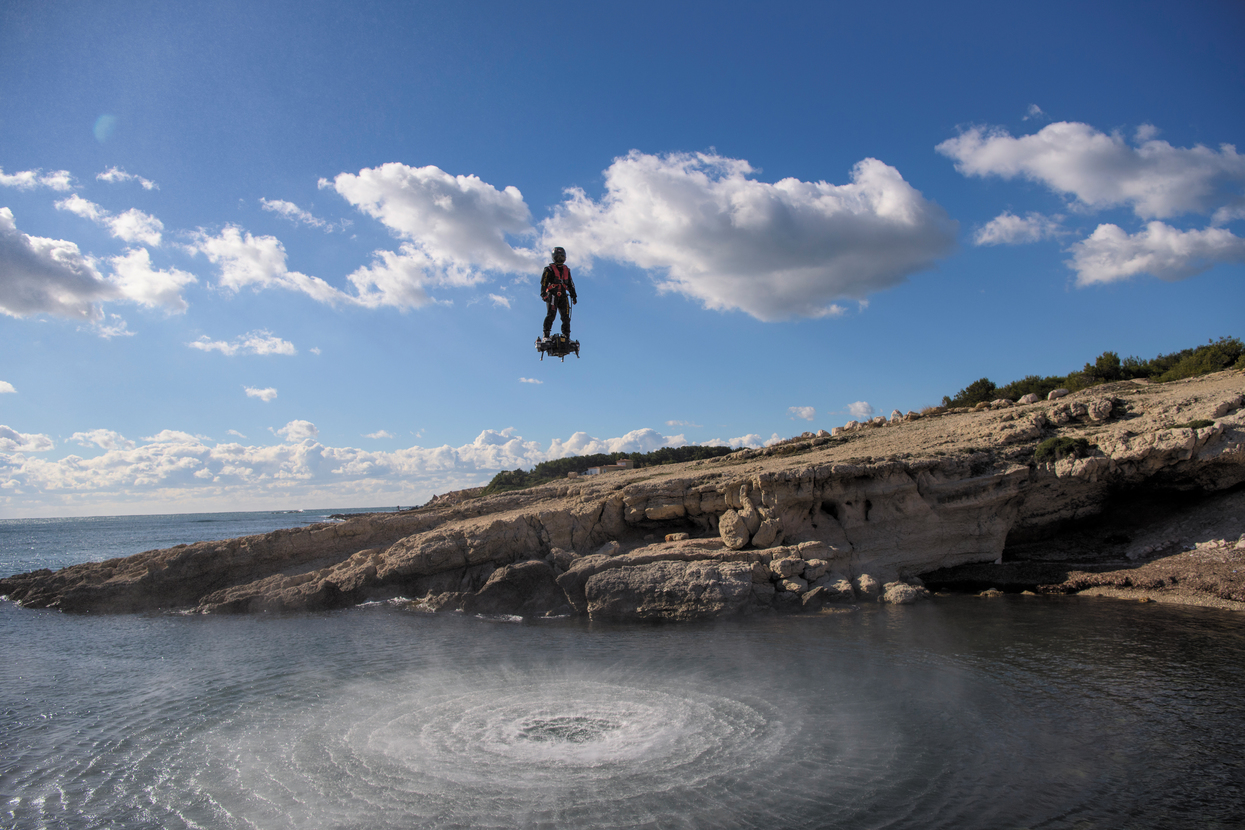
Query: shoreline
[(884, 510)]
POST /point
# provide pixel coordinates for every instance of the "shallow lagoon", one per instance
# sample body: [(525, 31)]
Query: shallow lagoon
[(961, 712)]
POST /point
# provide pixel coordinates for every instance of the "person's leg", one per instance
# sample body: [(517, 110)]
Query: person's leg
[(552, 310), (565, 307)]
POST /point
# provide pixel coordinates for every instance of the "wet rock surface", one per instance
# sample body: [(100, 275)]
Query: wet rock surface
[(854, 515)]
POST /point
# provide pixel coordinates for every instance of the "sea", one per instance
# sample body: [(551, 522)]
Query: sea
[(960, 712)]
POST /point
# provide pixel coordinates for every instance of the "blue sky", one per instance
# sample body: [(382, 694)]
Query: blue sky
[(281, 255)]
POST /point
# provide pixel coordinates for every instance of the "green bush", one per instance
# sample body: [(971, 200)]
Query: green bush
[(1056, 449), (1215, 356)]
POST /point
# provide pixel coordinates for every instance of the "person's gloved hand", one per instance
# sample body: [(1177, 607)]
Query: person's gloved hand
[(574, 301)]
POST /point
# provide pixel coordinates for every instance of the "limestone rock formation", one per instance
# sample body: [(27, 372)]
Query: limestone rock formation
[(814, 521)]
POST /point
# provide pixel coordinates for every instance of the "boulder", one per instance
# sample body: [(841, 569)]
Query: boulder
[(1029, 398), (867, 587), (814, 598), (671, 591), (733, 530), (768, 534), (1057, 393), (814, 569), (786, 567), (901, 593), (793, 584)]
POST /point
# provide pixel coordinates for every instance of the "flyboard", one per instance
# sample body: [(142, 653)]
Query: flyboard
[(557, 346)]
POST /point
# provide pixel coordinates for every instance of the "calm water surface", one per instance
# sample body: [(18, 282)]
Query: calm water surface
[(958, 713)]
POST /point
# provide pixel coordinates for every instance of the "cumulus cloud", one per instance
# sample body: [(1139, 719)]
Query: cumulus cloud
[(774, 251), (638, 440), (1111, 254), (861, 410), (138, 281), (30, 179), (1010, 229), (1101, 170), (116, 174), (499, 300), (455, 229), (299, 431), (47, 276), (257, 261), (6, 388), (380, 433), (294, 213), (805, 412), (1034, 112), (530, 380), (131, 226), (259, 342), (13, 441), (458, 222), (750, 441), (684, 424), (104, 438), (266, 394)]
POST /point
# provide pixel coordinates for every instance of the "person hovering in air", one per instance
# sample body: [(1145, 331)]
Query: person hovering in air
[(556, 286)]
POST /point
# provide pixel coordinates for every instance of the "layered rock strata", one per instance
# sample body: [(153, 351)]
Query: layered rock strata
[(820, 519)]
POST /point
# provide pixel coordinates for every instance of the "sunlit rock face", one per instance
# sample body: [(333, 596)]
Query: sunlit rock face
[(876, 508)]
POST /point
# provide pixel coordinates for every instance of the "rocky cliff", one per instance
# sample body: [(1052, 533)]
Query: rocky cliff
[(860, 514)]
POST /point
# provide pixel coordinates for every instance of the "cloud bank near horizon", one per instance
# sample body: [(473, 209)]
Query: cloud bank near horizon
[(175, 466)]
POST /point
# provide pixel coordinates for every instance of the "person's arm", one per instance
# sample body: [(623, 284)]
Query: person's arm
[(570, 286)]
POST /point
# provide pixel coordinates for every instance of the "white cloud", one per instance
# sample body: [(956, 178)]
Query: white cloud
[(138, 281), (530, 380), (1010, 229), (29, 179), (235, 433), (131, 226), (177, 468), (117, 328), (458, 223), (259, 342), (1034, 112), (1099, 170), (266, 394), (861, 410), (771, 250), (1110, 254), (684, 424), (298, 431), (105, 438), (258, 261), (173, 436), (805, 412), (499, 300), (116, 174), (6, 388), (47, 276), (380, 433), (294, 213), (13, 441), (638, 440)]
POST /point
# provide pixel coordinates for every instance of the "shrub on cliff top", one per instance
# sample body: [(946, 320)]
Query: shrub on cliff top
[(1215, 356)]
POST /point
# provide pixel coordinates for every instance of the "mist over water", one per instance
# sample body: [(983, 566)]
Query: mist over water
[(959, 713)]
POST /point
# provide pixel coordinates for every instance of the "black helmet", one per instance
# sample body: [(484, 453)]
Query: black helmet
[(559, 255)]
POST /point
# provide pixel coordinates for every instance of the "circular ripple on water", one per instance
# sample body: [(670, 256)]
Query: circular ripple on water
[(505, 755)]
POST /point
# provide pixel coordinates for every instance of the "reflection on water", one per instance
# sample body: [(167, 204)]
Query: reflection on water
[(1020, 712)]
